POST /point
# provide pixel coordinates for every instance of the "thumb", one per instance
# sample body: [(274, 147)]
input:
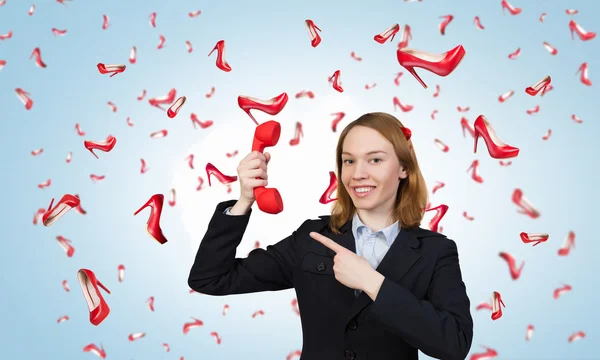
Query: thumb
[(268, 156)]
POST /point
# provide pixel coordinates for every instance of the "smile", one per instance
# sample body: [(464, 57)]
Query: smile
[(363, 191)]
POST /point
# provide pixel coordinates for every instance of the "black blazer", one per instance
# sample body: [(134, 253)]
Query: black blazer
[(421, 305)]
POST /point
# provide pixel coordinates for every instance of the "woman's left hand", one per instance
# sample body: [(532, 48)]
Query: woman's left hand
[(350, 269)]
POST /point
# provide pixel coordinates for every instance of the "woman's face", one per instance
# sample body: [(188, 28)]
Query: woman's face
[(369, 163)]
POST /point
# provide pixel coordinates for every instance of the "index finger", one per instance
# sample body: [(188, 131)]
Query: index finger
[(327, 242)]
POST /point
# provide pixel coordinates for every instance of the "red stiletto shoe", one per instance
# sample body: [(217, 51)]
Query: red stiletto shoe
[(474, 168), (540, 85), (496, 309), (496, 148), (511, 9), (515, 272), (224, 179), (297, 134), (383, 36), (440, 211), (537, 238), (439, 64), (326, 197), (267, 135), (106, 145), (99, 309), (339, 116), (153, 224), (315, 38), (66, 203), (28, 102), (272, 106), (336, 82), (107, 69), (583, 35), (221, 62), (406, 35), (174, 109), (464, 124), (38, 58), (568, 243)]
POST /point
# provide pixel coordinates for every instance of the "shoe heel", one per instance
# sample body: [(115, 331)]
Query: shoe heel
[(51, 202), (414, 73), (476, 138), (144, 206), (102, 286)]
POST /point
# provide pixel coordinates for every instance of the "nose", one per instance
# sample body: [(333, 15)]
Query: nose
[(360, 171)]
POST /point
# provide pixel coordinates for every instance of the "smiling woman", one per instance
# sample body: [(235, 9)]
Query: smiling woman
[(368, 276)]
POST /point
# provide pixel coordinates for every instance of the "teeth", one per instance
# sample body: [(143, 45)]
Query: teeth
[(363, 190)]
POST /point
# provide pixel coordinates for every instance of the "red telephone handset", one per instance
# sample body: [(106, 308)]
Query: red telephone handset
[(266, 135)]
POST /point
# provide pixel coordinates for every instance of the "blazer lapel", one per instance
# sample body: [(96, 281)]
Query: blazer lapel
[(401, 256)]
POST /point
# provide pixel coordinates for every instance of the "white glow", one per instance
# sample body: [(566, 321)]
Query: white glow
[(300, 173)]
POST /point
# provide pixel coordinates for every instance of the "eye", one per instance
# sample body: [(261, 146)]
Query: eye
[(376, 159), (346, 160)]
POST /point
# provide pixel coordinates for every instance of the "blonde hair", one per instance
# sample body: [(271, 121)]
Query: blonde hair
[(412, 196)]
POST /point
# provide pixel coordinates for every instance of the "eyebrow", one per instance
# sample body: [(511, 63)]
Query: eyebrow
[(369, 153)]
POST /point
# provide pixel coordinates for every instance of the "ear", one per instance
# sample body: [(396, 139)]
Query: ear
[(403, 174)]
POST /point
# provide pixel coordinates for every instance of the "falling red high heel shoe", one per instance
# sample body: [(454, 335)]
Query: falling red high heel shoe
[(114, 68), (66, 203), (496, 148), (529, 332), (440, 211), (326, 197), (153, 224), (444, 24), (583, 35), (66, 245), (511, 9), (558, 292), (163, 100), (567, 244), (477, 23), (58, 32), (92, 348), (267, 135), (578, 335), (475, 171), (464, 124), (38, 58), (383, 36), (540, 85), (336, 81), (537, 238), (202, 124), (161, 42), (174, 109), (26, 100), (487, 355), (525, 207), (339, 116), (497, 310), (583, 68), (99, 309), (439, 64), (106, 145), (315, 38), (221, 62), (133, 55), (224, 179), (441, 145), (402, 106), (272, 106), (406, 35), (105, 22), (551, 49), (515, 272), (297, 134)]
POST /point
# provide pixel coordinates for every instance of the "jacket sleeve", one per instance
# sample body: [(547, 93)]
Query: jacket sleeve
[(441, 326), (216, 270)]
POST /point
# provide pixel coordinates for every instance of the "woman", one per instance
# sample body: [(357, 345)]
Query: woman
[(370, 283)]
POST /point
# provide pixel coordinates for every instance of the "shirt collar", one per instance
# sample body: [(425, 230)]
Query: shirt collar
[(390, 232)]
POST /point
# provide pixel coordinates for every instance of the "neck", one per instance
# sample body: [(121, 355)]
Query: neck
[(375, 221)]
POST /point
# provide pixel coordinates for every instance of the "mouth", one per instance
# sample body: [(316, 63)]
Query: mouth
[(362, 191)]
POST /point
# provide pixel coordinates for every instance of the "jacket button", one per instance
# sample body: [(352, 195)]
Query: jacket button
[(350, 355), (321, 267), (352, 325)]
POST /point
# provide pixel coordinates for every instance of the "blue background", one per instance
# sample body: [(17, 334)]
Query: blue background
[(268, 47)]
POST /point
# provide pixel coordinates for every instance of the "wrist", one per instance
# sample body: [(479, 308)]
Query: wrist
[(241, 207)]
